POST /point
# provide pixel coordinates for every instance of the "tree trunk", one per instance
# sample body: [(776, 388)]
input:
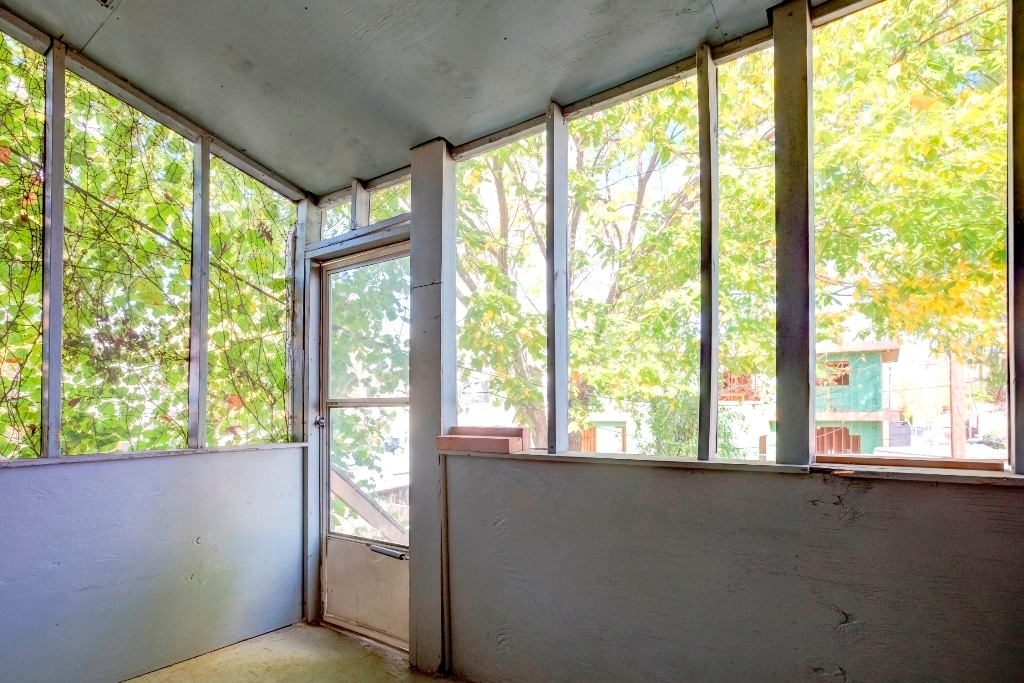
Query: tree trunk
[(957, 409), (537, 421)]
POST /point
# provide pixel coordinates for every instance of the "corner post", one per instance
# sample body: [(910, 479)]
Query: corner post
[(557, 261), (707, 109), (432, 398), (53, 248), (794, 229)]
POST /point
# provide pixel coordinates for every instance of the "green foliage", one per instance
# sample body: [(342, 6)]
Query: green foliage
[(368, 349), (671, 423), (910, 173), (22, 107), (910, 183), (390, 201), (251, 237), (127, 253), (369, 330), (501, 276)]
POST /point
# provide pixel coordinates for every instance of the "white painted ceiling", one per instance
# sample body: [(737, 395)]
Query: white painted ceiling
[(321, 91)]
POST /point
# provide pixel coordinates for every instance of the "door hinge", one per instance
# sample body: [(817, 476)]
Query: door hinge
[(320, 422)]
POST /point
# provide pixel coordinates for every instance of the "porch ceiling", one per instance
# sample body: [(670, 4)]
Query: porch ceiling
[(321, 91)]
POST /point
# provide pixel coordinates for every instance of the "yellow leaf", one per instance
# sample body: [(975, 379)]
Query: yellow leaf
[(921, 102)]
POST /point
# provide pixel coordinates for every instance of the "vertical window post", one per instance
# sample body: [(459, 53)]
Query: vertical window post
[(200, 294), (557, 253), (53, 247), (302, 410), (360, 198), (794, 226), (1015, 236), (432, 396), (707, 112)]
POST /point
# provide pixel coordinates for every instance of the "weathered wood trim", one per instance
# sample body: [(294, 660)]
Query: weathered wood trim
[(359, 197), (1015, 237), (23, 32), (143, 455), (557, 265), (707, 106), (53, 249), (658, 78), (794, 227), (505, 136), (432, 395), (200, 295)]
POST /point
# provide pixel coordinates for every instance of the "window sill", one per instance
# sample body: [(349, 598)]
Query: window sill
[(143, 455), (636, 460), (838, 470), (945, 476)]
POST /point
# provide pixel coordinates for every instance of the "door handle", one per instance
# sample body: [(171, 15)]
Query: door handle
[(390, 552)]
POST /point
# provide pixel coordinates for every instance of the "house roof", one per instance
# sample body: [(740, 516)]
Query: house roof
[(889, 349), (321, 91)]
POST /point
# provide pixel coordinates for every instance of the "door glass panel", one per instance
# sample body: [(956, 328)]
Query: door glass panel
[(370, 472), (369, 331)]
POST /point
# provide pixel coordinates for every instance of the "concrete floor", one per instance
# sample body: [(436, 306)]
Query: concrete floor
[(296, 654)]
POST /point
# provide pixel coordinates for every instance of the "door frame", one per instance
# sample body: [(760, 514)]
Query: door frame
[(318, 254)]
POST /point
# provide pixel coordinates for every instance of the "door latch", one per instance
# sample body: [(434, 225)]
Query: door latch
[(320, 422)]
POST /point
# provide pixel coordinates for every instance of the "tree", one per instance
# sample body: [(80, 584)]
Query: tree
[(127, 266), (910, 161)]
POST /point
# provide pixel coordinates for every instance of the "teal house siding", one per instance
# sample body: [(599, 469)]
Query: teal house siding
[(864, 392)]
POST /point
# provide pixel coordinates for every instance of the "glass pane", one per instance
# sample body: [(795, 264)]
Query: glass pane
[(910, 118), (746, 138), (391, 201), (370, 472), (337, 220), (369, 333), (501, 309), (634, 285), (127, 251), (250, 233), (22, 103)]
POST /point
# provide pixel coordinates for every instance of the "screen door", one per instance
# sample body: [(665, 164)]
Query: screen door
[(365, 411)]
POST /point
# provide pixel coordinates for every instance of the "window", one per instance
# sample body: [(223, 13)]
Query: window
[(366, 301), (388, 202), (634, 273), (337, 220), (127, 255), (22, 103), (502, 336), (910, 160), (837, 374), (251, 229), (746, 139)]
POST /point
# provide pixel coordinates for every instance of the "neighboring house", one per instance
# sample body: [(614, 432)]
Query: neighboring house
[(852, 412)]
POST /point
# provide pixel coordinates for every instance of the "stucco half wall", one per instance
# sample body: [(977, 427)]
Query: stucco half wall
[(111, 569)]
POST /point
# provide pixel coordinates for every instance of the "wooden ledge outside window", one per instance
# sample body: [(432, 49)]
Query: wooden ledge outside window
[(501, 440), (988, 464)]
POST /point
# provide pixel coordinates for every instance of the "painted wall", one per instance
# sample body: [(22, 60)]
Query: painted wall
[(594, 572), (864, 391), (112, 569)]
